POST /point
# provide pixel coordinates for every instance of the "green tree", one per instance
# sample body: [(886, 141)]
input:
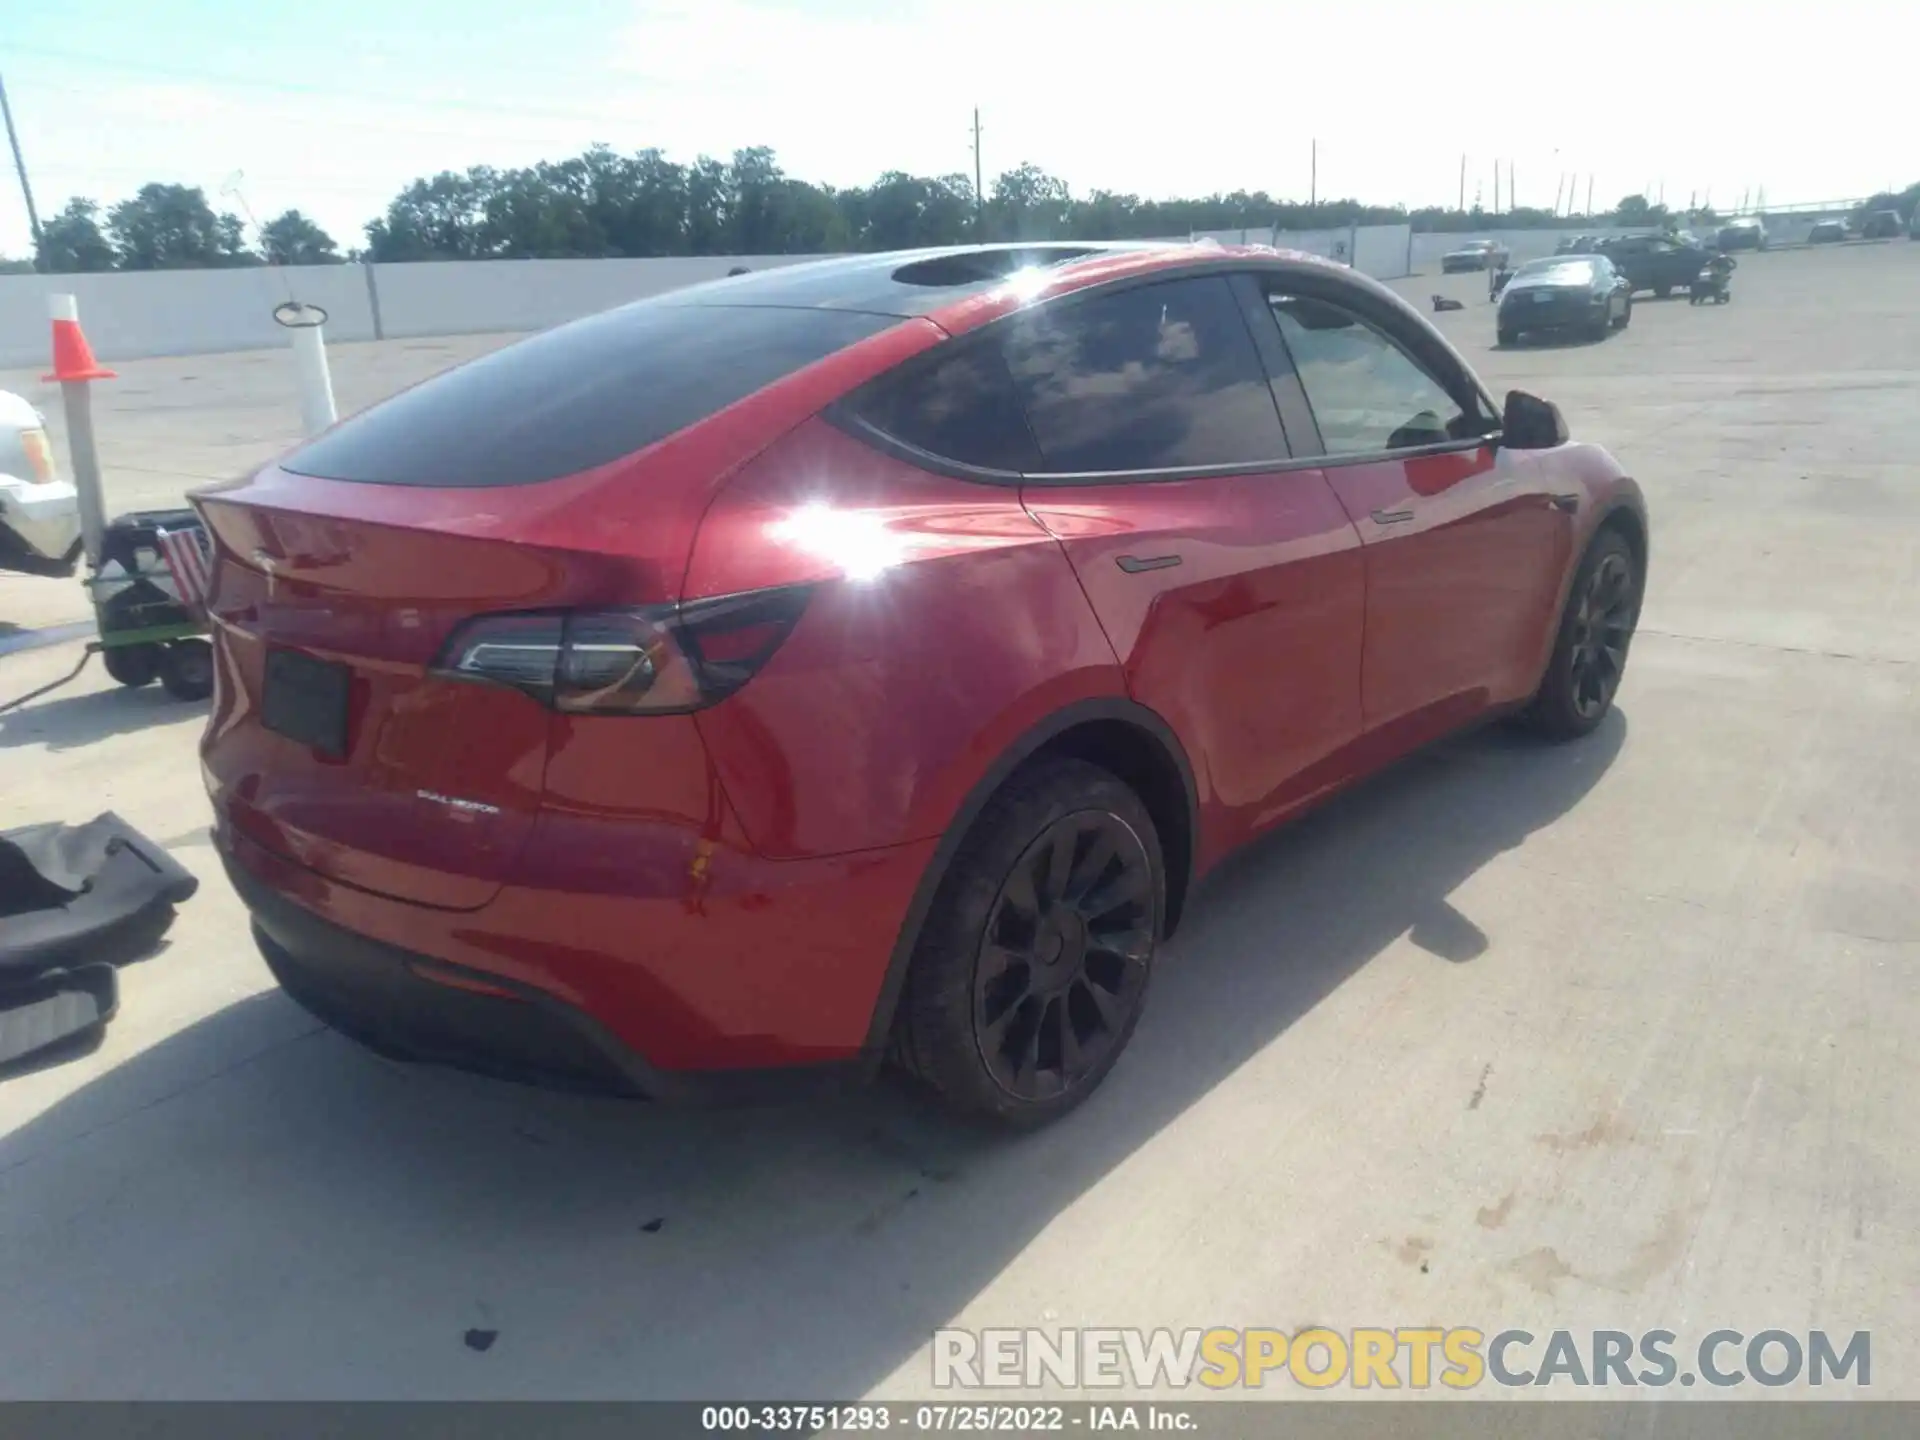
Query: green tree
[(709, 204), (1028, 204), (444, 218), (1636, 210), (172, 227), (71, 241), (292, 239)]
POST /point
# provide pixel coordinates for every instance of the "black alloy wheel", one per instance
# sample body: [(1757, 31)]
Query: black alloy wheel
[(1590, 650), (1064, 957), (1602, 627), (1033, 963)]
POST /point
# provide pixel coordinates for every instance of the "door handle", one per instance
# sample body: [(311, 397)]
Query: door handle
[(1392, 517), (1568, 502), (1133, 564)]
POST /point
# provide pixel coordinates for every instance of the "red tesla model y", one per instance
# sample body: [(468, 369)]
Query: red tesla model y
[(864, 658)]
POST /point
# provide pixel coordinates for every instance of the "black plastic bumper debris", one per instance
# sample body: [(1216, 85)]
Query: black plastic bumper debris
[(74, 898)]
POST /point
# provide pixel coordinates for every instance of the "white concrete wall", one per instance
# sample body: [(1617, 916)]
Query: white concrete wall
[(192, 312), (1524, 244), (189, 312), (482, 296), (178, 312), (1376, 250), (1382, 251)]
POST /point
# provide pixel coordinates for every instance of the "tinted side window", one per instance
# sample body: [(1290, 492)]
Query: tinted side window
[(961, 407), (1156, 378), (1367, 394), (579, 396)]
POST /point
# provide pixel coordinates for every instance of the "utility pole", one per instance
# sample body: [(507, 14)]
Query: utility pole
[(1513, 201), (1313, 174), (1463, 183), (1558, 186), (1589, 192), (20, 166), (979, 197)]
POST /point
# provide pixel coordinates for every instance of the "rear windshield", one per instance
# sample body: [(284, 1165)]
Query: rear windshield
[(579, 396), (1566, 271)]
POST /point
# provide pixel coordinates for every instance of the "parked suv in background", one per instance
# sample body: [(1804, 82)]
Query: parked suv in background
[(1880, 225), (1660, 263), (1827, 232), (1577, 245), (866, 657), (1745, 234)]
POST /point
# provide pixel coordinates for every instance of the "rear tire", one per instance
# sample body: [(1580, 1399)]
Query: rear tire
[(186, 669), (1590, 652), (1509, 337), (132, 665), (1032, 967), (1661, 292)]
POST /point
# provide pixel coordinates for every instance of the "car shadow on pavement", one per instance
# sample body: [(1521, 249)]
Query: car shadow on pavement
[(73, 721), (324, 1223)]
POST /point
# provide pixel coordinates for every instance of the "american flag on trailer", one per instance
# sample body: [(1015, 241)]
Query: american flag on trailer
[(191, 561)]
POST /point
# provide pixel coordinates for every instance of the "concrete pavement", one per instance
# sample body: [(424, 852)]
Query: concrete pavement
[(1611, 1035)]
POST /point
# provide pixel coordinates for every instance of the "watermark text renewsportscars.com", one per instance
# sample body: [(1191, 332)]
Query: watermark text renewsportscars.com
[(1401, 1358)]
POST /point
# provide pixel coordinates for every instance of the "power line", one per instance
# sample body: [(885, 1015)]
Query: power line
[(20, 165), (254, 82)]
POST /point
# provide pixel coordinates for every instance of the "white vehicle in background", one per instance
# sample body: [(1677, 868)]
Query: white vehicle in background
[(39, 512)]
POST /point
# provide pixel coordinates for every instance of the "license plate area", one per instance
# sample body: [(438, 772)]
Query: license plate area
[(305, 699), (1543, 297)]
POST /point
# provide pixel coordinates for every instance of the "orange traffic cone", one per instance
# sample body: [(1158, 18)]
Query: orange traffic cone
[(72, 356)]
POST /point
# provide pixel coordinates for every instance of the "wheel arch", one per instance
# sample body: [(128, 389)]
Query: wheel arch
[(1621, 516), (1117, 734)]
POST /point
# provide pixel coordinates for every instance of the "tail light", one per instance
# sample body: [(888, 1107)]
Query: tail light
[(651, 660), (39, 454)]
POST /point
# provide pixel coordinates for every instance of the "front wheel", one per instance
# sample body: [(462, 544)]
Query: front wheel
[(186, 669), (1032, 967), (1590, 652), (1626, 315), (1661, 292), (1508, 337), (132, 665)]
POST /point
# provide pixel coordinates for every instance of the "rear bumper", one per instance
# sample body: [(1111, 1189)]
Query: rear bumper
[(1525, 314), (730, 1003)]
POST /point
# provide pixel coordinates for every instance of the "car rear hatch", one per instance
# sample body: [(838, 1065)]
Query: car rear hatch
[(335, 742), (568, 472)]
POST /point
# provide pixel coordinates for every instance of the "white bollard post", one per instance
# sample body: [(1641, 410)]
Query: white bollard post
[(310, 355), (76, 370)]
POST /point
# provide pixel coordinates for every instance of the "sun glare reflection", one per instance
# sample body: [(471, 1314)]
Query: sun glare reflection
[(1024, 284), (857, 542)]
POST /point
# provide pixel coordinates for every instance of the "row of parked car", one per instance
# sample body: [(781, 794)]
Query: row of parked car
[(1653, 255)]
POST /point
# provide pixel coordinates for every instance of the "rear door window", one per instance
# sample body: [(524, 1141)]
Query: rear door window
[(579, 396), (958, 406), (1154, 378)]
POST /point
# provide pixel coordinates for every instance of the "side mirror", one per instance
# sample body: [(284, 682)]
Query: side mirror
[(1530, 423)]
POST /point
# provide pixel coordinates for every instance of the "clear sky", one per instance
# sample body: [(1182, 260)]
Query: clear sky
[(333, 107)]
